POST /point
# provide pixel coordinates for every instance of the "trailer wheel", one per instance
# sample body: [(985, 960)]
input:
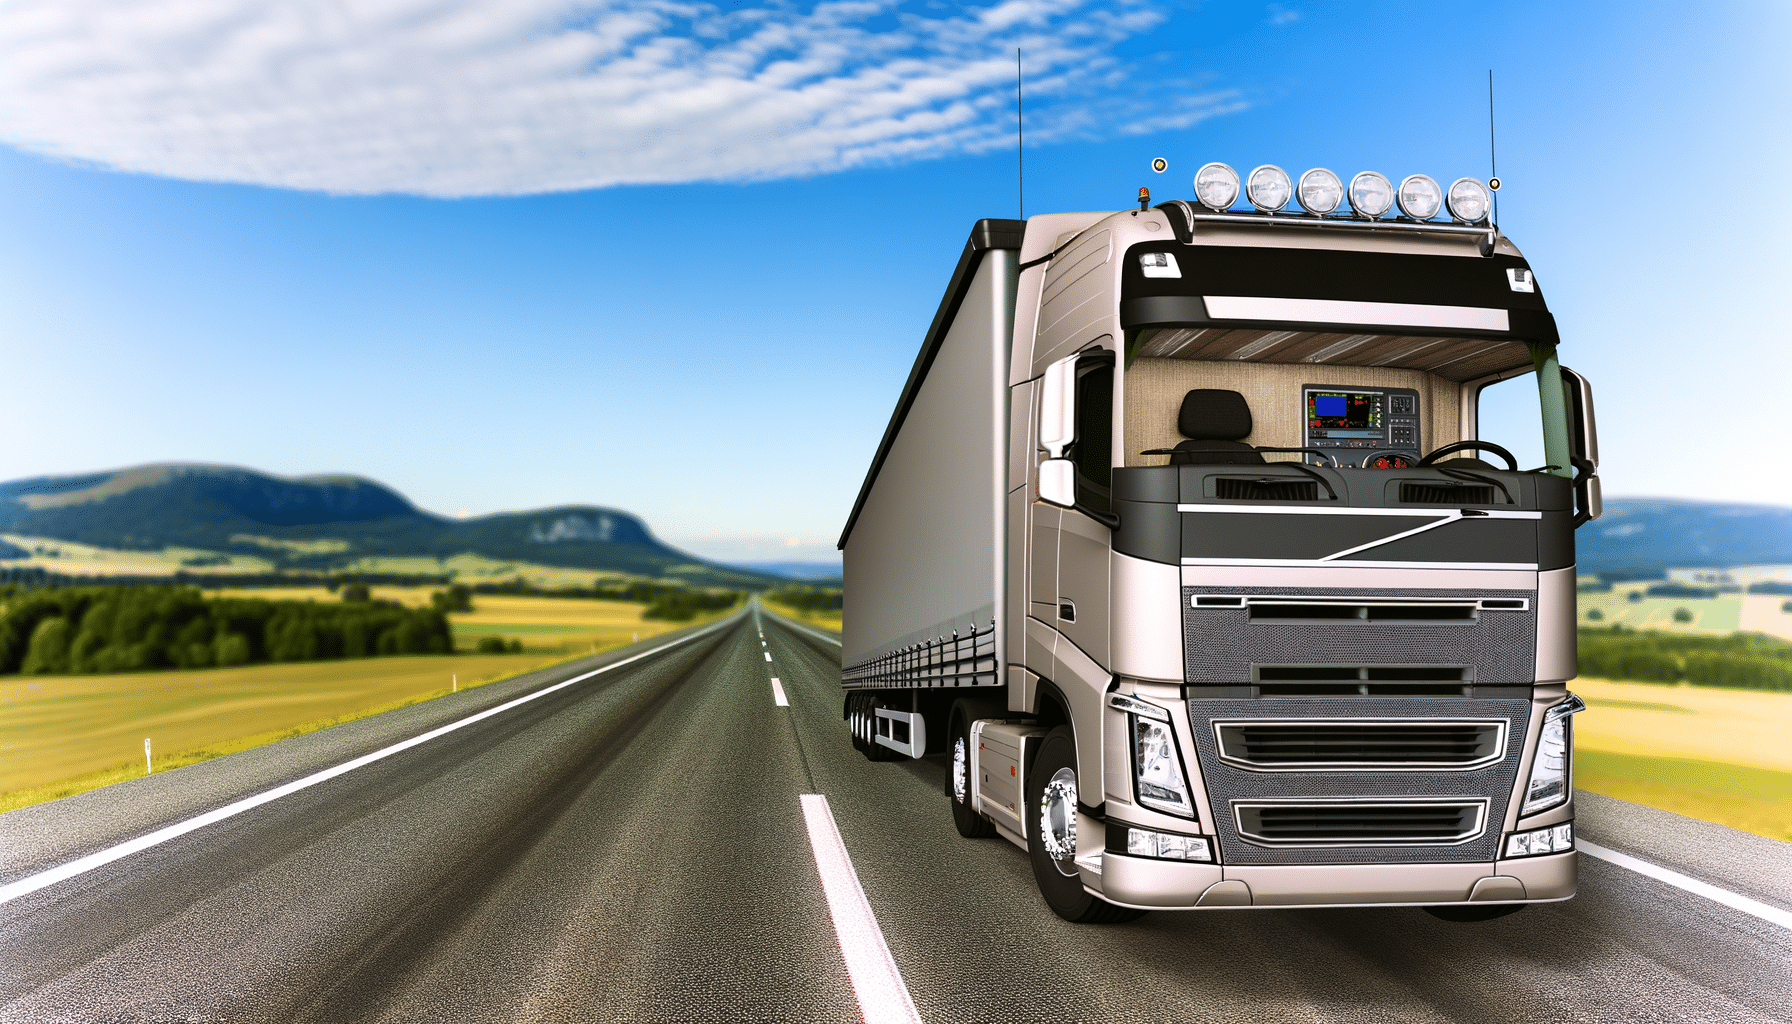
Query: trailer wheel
[(1461, 913), (1051, 835), (971, 824), (864, 731)]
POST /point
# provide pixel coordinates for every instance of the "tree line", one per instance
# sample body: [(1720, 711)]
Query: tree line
[(1747, 660), (804, 597), (104, 629)]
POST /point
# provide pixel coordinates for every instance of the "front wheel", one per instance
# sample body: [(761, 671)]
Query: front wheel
[(1051, 835)]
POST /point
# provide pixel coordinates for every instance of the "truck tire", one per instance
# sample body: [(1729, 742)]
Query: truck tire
[(864, 731), (1461, 913), (970, 822), (1051, 835)]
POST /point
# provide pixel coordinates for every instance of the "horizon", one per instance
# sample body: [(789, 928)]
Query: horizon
[(601, 312)]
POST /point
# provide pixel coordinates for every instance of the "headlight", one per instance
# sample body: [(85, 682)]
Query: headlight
[(1468, 201), (1268, 188), (1554, 839), (1320, 191), (1419, 197), (1550, 775), (1216, 185), (1158, 781), (1370, 194)]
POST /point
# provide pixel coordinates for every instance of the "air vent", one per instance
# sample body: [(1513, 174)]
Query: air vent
[(1360, 823), (1265, 489), (1295, 611), (1362, 681), (1349, 745), (1444, 492)]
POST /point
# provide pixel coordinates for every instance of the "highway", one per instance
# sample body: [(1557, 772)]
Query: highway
[(634, 846)]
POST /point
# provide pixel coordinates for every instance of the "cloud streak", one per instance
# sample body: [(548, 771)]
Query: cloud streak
[(455, 98)]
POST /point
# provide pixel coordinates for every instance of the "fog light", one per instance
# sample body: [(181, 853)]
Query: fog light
[(1554, 839), (1167, 845)]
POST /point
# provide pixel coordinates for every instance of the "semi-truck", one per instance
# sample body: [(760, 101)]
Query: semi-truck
[(1197, 550)]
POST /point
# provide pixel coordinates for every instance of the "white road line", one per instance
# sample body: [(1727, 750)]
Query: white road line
[(768, 655), (812, 632), (883, 998), (1734, 901), (778, 693), (50, 876)]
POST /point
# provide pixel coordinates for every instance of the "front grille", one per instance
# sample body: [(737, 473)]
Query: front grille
[(1347, 745), (1358, 823), (1339, 611), (1265, 489), (1362, 680), (1441, 493)]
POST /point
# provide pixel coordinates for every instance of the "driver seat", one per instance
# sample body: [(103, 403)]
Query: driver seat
[(1214, 421)]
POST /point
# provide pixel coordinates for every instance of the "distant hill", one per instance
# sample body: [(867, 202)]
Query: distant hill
[(324, 522), (816, 572), (1642, 537)]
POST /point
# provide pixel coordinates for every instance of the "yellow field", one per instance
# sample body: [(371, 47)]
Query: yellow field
[(61, 735), (831, 620), (1715, 754), (54, 728)]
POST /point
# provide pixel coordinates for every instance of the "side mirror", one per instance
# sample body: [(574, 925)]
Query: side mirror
[(1057, 482), (1583, 444), (1057, 408)]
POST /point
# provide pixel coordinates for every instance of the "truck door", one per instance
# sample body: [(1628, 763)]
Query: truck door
[(1085, 543)]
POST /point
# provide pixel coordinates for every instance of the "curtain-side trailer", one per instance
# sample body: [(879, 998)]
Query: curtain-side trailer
[(1200, 545)]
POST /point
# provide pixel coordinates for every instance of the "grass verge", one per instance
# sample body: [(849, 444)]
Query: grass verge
[(1757, 800)]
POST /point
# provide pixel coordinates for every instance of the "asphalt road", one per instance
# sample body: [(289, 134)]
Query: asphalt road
[(633, 847)]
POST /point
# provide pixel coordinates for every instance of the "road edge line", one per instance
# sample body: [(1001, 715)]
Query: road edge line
[(1735, 901), (81, 865), (883, 996)]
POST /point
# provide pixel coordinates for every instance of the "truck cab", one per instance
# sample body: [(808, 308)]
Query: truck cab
[(1284, 517)]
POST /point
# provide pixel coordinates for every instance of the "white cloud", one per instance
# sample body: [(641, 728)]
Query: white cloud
[(459, 98)]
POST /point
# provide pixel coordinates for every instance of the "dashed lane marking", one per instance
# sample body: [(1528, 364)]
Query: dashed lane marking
[(50, 876), (883, 997), (1735, 901), (768, 655), (778, 693)]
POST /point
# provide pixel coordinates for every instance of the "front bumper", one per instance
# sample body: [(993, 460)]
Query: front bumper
[(1164, 884)]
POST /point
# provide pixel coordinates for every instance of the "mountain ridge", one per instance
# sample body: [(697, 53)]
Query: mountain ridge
[(239, 510)]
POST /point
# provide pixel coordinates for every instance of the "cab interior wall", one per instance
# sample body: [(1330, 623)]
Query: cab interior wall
[(1154, 389)]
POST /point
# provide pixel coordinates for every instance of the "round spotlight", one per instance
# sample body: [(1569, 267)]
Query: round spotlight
[(1268, 188), (1370, 195), (1419, 197), (1320, 191), (1216, 185), (1468, 201)]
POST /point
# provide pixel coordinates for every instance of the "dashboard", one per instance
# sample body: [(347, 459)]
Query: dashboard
[(1354, 422)]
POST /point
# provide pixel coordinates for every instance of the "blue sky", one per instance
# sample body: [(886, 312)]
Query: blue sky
[(676, 258)]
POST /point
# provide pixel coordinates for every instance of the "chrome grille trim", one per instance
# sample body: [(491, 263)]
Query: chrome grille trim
[(1359, 822), (1250, 744)]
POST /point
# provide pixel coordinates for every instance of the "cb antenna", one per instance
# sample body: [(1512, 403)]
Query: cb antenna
[(1493, 183), (1020, 142)]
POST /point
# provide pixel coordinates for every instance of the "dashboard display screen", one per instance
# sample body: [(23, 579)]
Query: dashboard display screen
[(1347, 410)]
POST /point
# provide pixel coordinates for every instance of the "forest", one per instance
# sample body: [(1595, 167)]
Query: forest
[(104, 629), (1747, 660)]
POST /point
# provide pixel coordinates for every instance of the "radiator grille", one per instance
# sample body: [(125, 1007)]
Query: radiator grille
[(1357, 823), (1349, 745)]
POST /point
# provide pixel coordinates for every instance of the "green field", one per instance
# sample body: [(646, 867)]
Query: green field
[(826, 620), (61, 735), (1755, 800)]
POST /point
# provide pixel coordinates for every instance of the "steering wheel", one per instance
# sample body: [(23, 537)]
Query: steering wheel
[(1463, 446), (1404, 455)]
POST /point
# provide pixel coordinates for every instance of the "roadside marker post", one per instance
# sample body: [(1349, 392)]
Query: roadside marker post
[(148, 767)]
